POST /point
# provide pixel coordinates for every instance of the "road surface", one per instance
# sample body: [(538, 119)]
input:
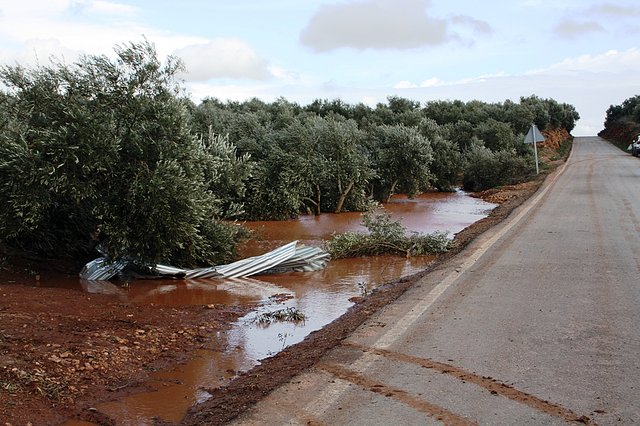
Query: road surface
[(537, 322)]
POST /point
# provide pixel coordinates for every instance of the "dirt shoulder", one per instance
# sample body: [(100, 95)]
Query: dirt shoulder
[(63, 352)]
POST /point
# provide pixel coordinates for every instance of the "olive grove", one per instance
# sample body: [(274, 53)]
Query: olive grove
[(111, 155)]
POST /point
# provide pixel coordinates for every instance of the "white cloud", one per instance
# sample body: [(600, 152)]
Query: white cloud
[(370, 100), (222, 58), (404, 84), (382, 24), (24, 8), (611, 61), (66, 29), (598, 18), (614, 10), (477, 26), (199, 91), (570, 28), (430, 82), (31, 25), (39, 52)]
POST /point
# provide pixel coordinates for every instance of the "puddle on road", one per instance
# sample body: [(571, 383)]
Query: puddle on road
[(321, 296)]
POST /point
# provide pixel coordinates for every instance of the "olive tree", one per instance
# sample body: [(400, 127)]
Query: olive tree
[(100, 152), (348, 170), (448, 164), (401, 158)]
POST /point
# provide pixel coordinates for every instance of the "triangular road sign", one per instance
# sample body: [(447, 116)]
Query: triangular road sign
[(533, 135)]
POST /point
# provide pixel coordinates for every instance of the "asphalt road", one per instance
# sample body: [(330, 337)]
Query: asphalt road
[(537, 322)]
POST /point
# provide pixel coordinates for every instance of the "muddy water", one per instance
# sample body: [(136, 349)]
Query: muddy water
[(321, 296)]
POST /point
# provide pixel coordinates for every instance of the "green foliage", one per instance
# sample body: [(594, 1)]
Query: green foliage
[(275, 191), (622, 124), (448, 164), (347, 167), (549, 114), (109, 152), (487, 169), (629, 110), (317, 164), (401, 159), (330, 156), (101, 152), (496, 135), (385, 236), (225, 173), (290, 314), (461, 133)]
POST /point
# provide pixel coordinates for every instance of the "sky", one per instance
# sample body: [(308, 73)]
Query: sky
[(581, 52)]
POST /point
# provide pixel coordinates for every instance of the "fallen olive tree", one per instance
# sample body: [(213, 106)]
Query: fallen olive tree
[(385, 236)]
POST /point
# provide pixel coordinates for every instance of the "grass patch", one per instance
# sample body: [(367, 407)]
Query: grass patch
[(290, 314), (35, 381), (565, 148)]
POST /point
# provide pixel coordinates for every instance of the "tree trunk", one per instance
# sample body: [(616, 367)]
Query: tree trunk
[(318, 194), (392, 190), (343, 197)]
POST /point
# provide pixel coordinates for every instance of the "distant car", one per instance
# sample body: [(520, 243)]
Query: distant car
[(635, 147)]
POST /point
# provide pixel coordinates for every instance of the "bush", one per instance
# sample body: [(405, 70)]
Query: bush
[(448, 164), (486, 169), (385, 236), (101, 153)]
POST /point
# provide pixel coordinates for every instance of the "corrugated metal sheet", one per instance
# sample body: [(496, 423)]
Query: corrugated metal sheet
[(255, 265), (290, 257), (102, 269)]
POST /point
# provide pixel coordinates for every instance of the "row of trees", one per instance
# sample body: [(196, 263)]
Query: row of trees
[(111, 154), (622, 123), (330, 156), (629, 110)]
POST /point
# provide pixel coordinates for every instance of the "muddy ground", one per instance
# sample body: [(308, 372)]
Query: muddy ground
[(63, 352)]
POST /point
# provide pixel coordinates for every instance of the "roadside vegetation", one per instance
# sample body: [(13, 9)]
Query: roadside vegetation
[(111, 155), (290, 314), (385, 235), (622, 123)]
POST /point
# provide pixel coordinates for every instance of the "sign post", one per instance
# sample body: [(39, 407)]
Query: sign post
[(534, 136)]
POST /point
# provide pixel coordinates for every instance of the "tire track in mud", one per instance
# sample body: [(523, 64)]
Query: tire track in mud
[(400, 395), (494, 386)]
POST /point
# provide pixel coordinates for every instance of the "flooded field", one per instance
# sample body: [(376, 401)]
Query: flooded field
[(321, 296)]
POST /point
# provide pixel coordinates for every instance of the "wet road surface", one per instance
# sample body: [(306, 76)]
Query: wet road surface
[(536, 322)]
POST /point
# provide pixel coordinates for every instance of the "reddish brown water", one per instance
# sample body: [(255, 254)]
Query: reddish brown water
[(321, 296)]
